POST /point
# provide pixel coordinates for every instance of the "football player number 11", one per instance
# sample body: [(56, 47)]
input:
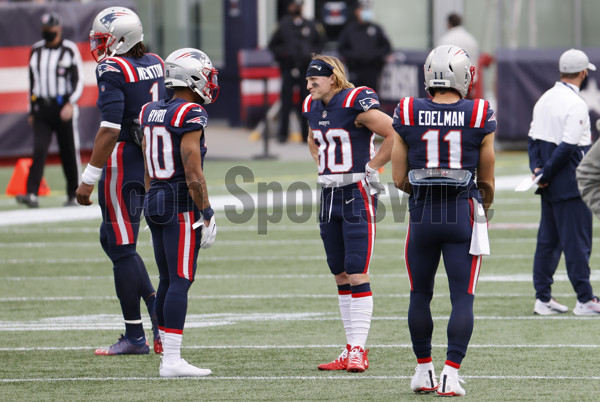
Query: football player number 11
[(454, 140)]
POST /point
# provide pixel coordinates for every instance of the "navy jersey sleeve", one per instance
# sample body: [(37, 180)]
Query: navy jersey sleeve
[(490, 121), (189, 117), (362, 99), (111, 98)]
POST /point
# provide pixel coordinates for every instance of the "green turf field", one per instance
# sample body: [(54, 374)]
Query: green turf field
[(263, 310)]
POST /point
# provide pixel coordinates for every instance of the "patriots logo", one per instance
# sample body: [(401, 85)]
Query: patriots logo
[(202, 120), (493, 118), (195, 55), (109, 18), (105, 68), (368, 103)]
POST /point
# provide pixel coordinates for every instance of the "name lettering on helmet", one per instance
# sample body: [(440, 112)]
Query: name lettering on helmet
[(439, 118), (151, 72), (157, 115)]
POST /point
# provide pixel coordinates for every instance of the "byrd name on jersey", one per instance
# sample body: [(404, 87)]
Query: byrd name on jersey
[(343, 148), (137, 80), (164, 123)]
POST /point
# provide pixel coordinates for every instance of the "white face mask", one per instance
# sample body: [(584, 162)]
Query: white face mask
[(366, 15)]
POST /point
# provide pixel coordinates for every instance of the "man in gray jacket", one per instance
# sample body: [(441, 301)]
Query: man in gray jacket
[(588, 177)]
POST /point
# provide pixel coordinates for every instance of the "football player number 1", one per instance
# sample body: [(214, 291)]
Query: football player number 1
[(328, 144), (159, 148), (453, 138), (154, 92)]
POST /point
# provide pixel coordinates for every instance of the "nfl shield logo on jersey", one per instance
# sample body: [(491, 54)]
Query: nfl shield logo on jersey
[(324, 114)]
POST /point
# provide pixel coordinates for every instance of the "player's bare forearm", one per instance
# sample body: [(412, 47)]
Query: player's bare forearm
[(486, 181), (146, 175), (381, 124), (105, 141), (312, 147), (400, 165), (192, 165)]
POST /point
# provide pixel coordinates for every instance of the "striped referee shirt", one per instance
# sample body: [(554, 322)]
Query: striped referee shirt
[(55, 74)]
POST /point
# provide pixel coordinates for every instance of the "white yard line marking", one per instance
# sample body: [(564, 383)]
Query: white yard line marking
[(262, 296), (595, 275), (264, 347), (289, 378), (114, 321)]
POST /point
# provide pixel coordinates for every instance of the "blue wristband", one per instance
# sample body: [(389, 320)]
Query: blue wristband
[(207, 213)]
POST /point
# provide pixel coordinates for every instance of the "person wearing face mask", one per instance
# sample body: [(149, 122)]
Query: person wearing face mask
[(364, 46), (292, 44), (559, 138), (56, 83)]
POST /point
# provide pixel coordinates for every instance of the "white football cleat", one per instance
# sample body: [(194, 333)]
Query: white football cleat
[(591, 307), (549, 308), (181, 368), (424, 379), (449, 383)]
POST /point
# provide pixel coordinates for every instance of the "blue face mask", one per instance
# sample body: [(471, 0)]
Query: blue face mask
[(366, 15)]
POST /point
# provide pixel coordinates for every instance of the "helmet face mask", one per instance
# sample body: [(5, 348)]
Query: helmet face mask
[(115, 30), (449, 67), (100, 43), (191, 68)]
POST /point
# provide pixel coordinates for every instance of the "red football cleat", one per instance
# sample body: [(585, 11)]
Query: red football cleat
[(341, 363), (357, 360)]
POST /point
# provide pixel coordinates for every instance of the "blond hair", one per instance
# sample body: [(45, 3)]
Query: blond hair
[(339, 73)]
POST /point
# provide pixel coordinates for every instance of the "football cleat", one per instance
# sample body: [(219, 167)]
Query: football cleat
[(357, 360), (181, 368), (591, 307), (31, 200), (124, 347), (341, 363), (549, 308), (424, 379), (450, 384)]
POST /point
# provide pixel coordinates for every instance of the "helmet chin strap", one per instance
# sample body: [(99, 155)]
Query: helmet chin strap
[(116, 48)]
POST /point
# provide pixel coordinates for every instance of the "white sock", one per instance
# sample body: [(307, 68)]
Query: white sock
[(171, 347), (344, 301), (361, 311)]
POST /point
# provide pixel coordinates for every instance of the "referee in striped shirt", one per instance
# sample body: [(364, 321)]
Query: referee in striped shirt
[(56, 83)]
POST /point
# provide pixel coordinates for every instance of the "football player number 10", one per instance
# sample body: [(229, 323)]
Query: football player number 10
[(159, 146), (328, 144)]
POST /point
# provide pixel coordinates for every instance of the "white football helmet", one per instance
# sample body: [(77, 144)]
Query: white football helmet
[(115, 30), (191, 68), (449, 66)]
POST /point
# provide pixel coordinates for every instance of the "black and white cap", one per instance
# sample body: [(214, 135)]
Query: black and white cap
[(50, 20)]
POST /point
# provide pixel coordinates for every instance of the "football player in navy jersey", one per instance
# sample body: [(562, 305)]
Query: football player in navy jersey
[(444, 158), (343, 120), (127, 77), (176, 206)]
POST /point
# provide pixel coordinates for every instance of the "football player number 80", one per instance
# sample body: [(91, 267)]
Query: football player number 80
[(159, 152), (328, 144)]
